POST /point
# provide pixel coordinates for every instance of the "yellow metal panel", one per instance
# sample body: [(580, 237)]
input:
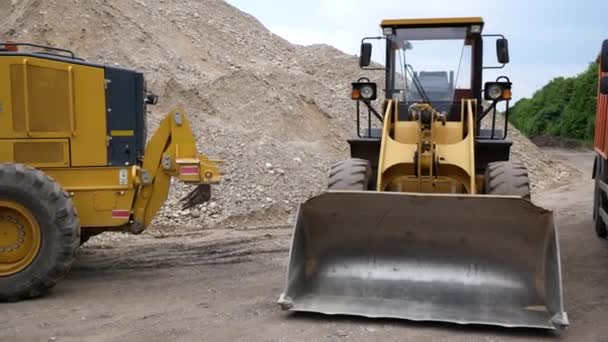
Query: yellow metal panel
[(122, 133), (448, 147), (39, 97), (95, 208), (450, 133), (432, 21), (41, 153), (406, 132), (99, 192), (17, 97), (36, 152), (43, 98), (89, 145), (43, 93), (107, 178), (104, 200)]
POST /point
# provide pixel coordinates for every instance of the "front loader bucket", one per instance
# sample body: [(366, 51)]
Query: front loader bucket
[(468, 259)]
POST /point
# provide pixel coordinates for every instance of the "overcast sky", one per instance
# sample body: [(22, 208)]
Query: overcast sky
[(546, 38)]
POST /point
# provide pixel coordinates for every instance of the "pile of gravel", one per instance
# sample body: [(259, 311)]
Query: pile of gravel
[(278, 114)]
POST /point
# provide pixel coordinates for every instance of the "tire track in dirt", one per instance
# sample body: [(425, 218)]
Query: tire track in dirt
[(215, 246)]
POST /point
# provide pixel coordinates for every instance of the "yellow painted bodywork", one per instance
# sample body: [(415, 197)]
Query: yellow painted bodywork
[(99, 191), (431, 21), (36, 152), (53, 117), (434, 158), (122, 133), (46, 98)]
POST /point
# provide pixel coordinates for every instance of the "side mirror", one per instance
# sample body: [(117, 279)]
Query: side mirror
[(604, 85), (502, 50), (151, 99), (366, 54), (604, 56)]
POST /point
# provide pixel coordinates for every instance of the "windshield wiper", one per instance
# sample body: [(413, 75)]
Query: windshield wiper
[(410, 70)]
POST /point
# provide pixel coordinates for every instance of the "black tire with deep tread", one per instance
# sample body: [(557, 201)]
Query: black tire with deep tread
[(52, 207), (350, 174), (507, 178), (599, 198)]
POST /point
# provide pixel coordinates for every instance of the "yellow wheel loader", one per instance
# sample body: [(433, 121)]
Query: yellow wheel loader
[(429, 220), (74, 161)]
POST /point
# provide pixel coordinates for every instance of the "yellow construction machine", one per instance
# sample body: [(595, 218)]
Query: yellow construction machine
[(429, 220), (74, 161)]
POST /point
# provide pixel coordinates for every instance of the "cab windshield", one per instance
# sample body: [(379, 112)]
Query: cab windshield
[(430, 65)]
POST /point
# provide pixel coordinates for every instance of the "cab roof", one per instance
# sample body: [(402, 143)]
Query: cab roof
[(436, 22)]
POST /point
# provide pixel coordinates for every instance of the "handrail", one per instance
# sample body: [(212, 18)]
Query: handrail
[(65, 51), (386, 125), (471, 136)]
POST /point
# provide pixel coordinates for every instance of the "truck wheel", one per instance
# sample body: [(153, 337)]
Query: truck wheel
[(507, 178), (600, 226), (39, 232), (350, 174)]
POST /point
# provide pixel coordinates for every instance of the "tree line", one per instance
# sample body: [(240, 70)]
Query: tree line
[(565, 107)]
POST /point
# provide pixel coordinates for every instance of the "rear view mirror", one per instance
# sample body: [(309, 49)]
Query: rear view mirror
[(604, 85), (604, 56), (366, 54), (151, 99), (502, 50)]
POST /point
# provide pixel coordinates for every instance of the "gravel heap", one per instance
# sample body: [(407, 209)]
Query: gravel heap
[(278, 114)]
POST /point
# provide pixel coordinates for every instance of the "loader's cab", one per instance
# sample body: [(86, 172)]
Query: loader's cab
[(437, 62)]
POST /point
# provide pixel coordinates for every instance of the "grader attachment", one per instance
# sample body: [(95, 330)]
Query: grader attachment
[(426, 257)]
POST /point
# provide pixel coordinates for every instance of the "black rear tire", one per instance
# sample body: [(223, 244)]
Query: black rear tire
[(59, 227), (600, 226), (350, 174), (507, 178)]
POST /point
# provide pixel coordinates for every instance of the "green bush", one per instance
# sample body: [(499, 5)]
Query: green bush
[(565, 107)]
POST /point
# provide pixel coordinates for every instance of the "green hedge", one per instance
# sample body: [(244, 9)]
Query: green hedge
[(563, 108)]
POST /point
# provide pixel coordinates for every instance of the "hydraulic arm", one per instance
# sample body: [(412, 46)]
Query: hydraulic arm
[(172, 152)]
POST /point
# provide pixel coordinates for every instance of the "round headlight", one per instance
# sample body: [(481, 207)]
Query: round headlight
[(495, 92), (367, 92)]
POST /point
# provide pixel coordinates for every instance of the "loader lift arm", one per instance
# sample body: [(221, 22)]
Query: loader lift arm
[(171, 152)]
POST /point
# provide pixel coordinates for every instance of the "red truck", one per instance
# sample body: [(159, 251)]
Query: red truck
[(600, 165)]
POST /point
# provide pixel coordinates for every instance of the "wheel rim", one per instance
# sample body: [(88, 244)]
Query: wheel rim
[(19, 238)]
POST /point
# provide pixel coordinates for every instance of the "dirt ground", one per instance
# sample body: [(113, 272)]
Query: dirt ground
[(222, 285)]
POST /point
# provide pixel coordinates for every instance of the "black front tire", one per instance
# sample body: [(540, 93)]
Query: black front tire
[(350, 174), (507, 178), (59, 228)]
